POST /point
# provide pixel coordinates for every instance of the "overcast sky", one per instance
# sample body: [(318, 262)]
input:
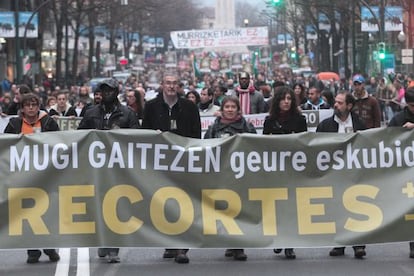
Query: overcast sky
[(213, 2)]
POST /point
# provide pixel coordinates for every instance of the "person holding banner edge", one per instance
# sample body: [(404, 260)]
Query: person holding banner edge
[(33, 120), (405, 119)]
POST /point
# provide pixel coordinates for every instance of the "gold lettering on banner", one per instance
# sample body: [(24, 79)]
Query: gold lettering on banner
[(158, 214), (68, 208), (352, 204), (226, 216), (110, 213), (33, 215), (218, 206), (268, 198), (306, 210)]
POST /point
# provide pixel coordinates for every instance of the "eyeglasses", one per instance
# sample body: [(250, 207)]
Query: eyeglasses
[(169, 83), (30, 105), (357, 83)]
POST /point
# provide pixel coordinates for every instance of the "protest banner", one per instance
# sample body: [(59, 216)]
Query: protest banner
[(193, 39), (142, 188)]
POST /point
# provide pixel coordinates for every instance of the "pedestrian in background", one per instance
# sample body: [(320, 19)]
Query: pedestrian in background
[(314, 100), (193, 96), (135, 102), (300, 94), (15, 104), (251, 100), (366, 106), (62, 106), (206, 105)]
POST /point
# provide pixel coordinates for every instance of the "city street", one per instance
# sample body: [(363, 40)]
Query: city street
[(388, 259)]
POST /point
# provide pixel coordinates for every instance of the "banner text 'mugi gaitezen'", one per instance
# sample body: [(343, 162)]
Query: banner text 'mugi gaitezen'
[(142, 188)]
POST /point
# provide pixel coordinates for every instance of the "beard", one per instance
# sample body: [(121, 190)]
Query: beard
[(244, 85), (109, 99), (341, 114)]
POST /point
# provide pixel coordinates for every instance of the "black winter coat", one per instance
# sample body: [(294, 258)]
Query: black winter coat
[(121, 117), (330, 125), (47, 123), (220, 130), (70, 112), (401, 118), (182, 119), (295, 124)]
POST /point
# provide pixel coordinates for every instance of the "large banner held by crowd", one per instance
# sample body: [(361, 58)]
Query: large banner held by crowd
[(141, 188)]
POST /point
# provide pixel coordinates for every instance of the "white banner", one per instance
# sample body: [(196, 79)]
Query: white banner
[(220, 38), (313, 118)]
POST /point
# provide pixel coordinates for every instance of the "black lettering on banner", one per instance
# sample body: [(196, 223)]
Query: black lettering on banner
[(312, 117)]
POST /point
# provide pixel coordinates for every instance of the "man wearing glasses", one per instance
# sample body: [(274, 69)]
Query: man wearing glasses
[(33, 120), (366, 106), (170, 112)]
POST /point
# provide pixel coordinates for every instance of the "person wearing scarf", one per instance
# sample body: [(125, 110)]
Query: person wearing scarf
[(231, 122), (251, 101)]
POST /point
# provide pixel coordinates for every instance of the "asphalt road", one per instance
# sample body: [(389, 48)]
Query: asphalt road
[(385, 259)]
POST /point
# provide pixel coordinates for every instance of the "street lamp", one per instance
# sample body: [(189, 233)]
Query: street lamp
[(401, 37), (2, 42), (371, 38), (246, 22)]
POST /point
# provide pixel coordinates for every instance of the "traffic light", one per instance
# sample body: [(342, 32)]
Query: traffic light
[(381, 50), (276, 2), (293, 53)]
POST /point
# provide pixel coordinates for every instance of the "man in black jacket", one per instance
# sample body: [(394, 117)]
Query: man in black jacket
[(343, 121), (106, 115), (170, 112), (109, 113)]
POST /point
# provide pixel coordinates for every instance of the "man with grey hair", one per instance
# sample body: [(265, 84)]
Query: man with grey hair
[(170, 112)]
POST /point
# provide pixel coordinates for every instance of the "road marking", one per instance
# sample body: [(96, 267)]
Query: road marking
[(83, 262), (62, 267)]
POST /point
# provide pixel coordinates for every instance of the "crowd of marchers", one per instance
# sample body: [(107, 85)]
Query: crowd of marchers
[(174, 104)]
